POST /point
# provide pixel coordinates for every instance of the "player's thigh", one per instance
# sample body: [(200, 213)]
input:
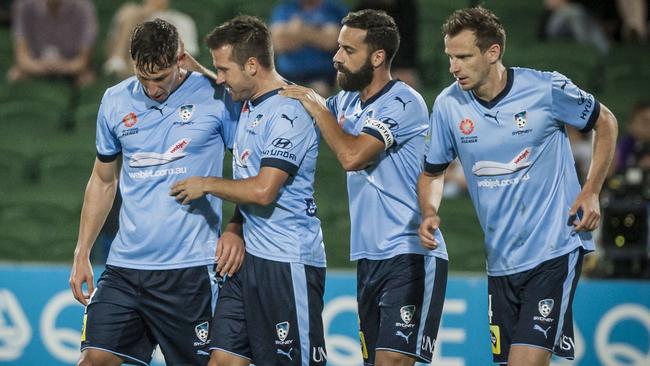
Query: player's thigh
[(284, 313), (546, 317), (177, 306), (412, 289), (390, 358), (229, 334), (222, 358), (528, 356), (96, 357), (112, 320)]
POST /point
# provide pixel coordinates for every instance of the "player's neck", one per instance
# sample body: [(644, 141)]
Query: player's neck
[(270, 80), (379, 80), (495, 83)]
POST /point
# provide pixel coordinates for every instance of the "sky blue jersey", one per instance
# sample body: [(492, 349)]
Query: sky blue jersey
[(384, 211), (160, 144), (518, 163), (275, 131)]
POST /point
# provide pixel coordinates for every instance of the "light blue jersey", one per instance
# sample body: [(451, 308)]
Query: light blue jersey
[(162, 143), (518, 163), (276, 131), (384, 211)]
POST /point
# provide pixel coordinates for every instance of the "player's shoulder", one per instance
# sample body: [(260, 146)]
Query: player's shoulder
[(533, 76), (451, 93), (404, 93)]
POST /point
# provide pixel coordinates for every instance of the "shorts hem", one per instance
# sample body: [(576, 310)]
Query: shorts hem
[(127, 357), (418, 358), (230, 352)]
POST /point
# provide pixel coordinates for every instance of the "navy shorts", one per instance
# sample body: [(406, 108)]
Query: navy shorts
[(400, 304), (133, 310), (270, 313), (533, 308)]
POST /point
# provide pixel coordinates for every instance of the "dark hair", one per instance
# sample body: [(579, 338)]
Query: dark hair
[(248, 36), (154, 45), (382, 30), (486, 26)]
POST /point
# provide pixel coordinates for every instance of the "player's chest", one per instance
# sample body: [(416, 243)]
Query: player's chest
[(481, 130), (138, 130), (353, 118)]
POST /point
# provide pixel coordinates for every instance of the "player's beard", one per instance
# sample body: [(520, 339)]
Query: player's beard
[(354, 81)]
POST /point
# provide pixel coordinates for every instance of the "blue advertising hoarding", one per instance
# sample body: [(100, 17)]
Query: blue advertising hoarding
[(40, 322)]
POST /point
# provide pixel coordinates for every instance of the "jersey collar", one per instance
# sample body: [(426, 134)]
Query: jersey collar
[(489, 105), (383, 91)]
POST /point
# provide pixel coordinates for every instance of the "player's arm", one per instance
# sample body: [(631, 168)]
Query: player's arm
[(429, 196), (603, 147), (353, 152), (261, 189), (230, 248), (98, 200)]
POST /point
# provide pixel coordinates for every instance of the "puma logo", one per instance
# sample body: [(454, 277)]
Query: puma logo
[(544, 331), (403, 102), (289, 119), (564, 85), (288, 354), (405, 336), (494, 117)]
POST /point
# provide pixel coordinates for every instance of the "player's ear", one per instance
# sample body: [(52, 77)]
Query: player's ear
[(493, 53), (251, 66), (377, 58)]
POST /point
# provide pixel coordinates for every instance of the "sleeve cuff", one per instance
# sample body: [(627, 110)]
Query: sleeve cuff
[(284, 165), (107, 158), (379, 136), (435, 168), (593, 118)]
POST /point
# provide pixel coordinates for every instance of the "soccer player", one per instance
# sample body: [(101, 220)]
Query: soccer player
[(268, 313), (376, 127), (507, 127), (153, 129)]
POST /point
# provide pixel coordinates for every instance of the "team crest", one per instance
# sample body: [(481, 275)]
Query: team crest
[(185, 112), (406, 313), (257, 120), (202, 331), (130, 120), (520, 119), (466, 126), (545, 307), (282, 330)]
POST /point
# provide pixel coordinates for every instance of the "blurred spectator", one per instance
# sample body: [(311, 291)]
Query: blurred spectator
[(565, 19), (634, 17), (118, 61), (405, 13), (305, 34), (633, 147), (53, 38), (5, 13)]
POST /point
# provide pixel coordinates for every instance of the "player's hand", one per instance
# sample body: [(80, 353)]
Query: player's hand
[(82, 272), (230, 250), (312, 101), (587, 206), (188, 189), (427, 229)]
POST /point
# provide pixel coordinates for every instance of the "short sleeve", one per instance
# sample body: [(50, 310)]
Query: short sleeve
[(441, 150), (398, 120), (288, 138), (572, 105), (107, 144), (230, 118)]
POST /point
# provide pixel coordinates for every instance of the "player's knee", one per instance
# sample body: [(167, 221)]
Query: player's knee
[(383, 358)]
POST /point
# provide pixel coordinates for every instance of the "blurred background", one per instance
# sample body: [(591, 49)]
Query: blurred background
[(49, 99), (58, 56)]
